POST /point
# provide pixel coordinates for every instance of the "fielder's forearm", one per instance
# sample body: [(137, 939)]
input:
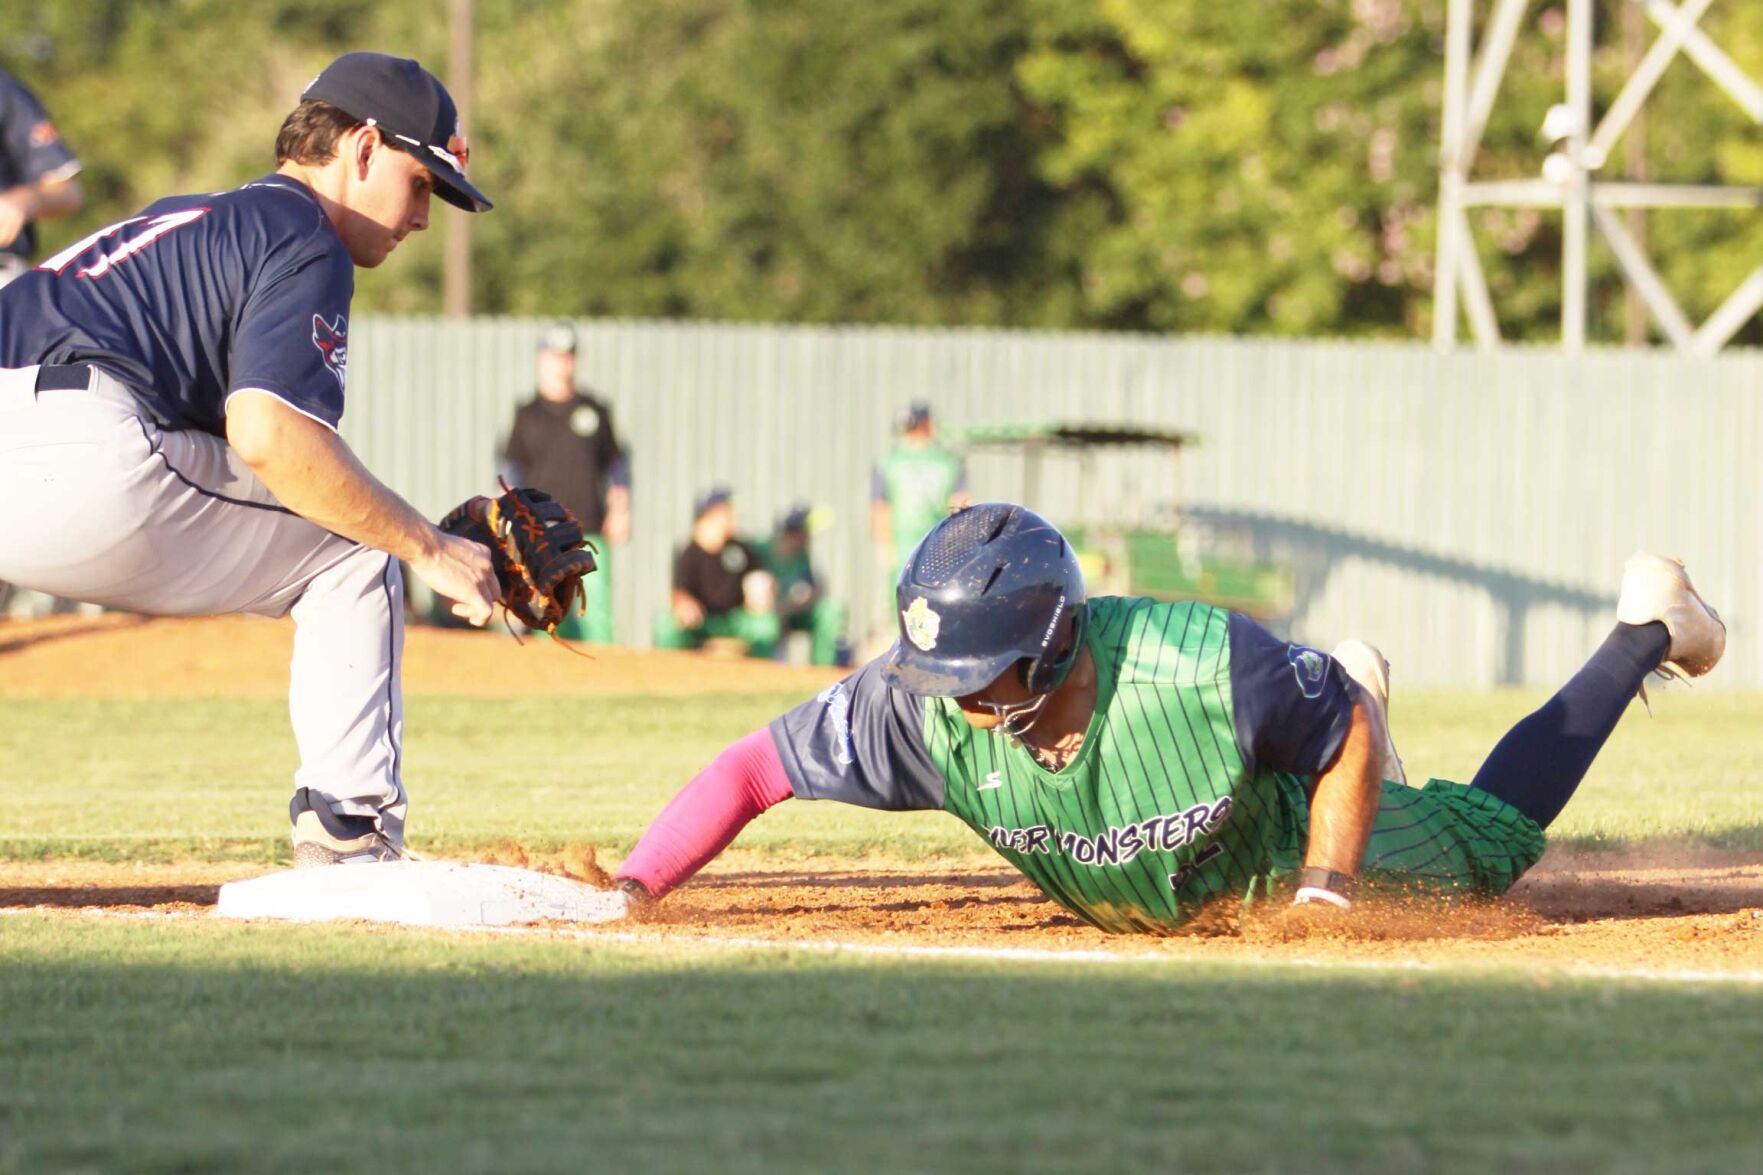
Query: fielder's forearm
[(312, 472), (47, 199), (1344, 806)]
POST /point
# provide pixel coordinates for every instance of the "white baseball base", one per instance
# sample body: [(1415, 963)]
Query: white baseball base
[(419, 893)]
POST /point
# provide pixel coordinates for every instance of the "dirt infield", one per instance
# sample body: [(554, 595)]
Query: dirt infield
[(1677, 908), (122, 656), (1624, 913)]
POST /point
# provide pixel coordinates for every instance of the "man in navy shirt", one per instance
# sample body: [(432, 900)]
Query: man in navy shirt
[(37, 173), (170, 390), (37, 182)]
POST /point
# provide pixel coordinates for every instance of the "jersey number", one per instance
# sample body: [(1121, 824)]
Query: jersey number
[(152, 228)]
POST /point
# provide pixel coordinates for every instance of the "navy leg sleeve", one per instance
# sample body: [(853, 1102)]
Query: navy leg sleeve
[(1539, 763)]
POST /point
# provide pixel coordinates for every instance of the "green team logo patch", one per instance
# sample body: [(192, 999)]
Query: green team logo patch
[(922, 624), (1310, 667)]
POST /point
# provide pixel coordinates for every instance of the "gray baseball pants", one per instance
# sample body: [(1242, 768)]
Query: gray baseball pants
[(105, 506)]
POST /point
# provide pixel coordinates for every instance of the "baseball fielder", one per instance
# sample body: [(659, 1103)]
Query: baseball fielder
[(1138, 760), (170, 389), (38, 180)]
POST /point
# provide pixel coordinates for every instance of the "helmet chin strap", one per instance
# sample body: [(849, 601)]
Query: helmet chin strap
[(1018, 718)]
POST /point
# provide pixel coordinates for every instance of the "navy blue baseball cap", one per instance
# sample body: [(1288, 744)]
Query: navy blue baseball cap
[(917, 415), (710, 499), (411, 108)]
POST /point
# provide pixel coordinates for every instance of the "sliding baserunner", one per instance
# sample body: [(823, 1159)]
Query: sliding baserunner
[(1138, 760)]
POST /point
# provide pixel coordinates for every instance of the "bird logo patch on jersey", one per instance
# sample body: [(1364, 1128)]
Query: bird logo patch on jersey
[(1309, 667), (332, 341), (921, 624)]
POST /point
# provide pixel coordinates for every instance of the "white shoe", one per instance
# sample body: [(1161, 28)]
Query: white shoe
[(1367, 666), (1657, 588)]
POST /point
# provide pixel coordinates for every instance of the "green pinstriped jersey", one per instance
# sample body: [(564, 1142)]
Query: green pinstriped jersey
[(917, 483), (1192, 782), (1159, 813)]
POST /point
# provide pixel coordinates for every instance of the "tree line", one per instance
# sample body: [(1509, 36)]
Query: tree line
[(1156, 165)]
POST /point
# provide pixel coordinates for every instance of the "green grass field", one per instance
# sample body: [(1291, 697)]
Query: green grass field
[(140, 1044), (208, 779)]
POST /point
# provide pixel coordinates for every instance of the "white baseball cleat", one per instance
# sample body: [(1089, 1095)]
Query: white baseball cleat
[(1657, 588), (1366, 665)]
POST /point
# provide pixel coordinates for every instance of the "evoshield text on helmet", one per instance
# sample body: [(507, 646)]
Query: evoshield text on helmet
[(989, 586)]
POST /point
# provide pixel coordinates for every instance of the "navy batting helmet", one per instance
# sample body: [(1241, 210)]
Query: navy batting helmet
[(989, 586)]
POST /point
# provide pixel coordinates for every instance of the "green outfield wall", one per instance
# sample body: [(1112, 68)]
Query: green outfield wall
[(1469, 512)]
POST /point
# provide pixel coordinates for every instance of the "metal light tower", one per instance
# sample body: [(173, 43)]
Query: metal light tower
[(1472, 81)]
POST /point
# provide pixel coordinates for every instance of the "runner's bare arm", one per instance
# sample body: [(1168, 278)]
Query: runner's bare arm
[(1344, 806)]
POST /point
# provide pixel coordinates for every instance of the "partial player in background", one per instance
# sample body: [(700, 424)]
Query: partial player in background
[(912, 489), (1140, 760), (37, 182), (170, 390), (721, 589), (563, 442), (37, 175), (801, 604)]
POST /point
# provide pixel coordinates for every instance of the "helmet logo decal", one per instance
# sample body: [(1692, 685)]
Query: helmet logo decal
[(1058, 611), (921, 624)]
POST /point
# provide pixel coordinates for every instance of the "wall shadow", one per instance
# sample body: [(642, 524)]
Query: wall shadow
[(1314, 550)]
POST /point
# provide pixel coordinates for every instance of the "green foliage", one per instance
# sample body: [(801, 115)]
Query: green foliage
[(208, 778), (1169, 165), (818, 162)]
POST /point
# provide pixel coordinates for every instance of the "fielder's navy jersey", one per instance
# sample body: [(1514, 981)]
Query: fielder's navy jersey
[(30, 149), (195, 298)]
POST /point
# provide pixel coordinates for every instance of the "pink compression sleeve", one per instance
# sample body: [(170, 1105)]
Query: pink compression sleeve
[(708, 813)]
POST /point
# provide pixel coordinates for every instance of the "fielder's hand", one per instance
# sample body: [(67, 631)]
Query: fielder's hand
[(536, 549), (462, 571)]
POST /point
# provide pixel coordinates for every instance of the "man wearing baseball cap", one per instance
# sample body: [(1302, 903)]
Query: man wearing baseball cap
[(412, 111), (170, 392), (720, 586)]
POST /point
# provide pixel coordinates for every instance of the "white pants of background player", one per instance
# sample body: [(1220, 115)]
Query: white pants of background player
[(103, 505)]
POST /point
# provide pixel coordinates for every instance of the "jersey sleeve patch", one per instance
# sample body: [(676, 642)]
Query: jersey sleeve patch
[(860, 742), (1293, 704), (293, 336)]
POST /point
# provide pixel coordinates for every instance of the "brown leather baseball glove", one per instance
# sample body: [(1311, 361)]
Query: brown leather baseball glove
[(538, 549)]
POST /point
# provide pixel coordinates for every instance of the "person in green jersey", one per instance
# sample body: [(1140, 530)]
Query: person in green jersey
[(913, 488), (1140, 760), (802, 602)]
